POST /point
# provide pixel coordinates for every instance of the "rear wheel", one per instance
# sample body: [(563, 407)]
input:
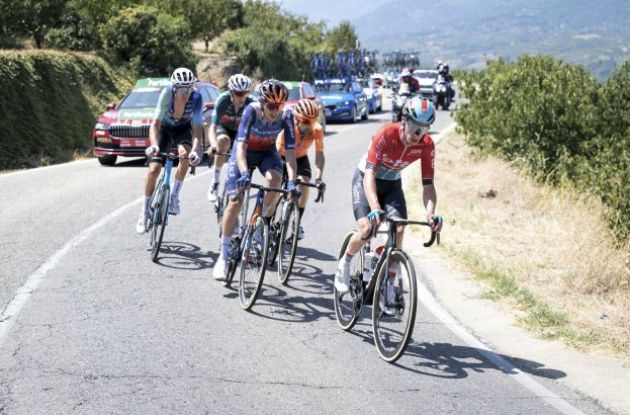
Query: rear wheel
[(348, 305), (253, 262), (366, 115), (288, 245), (159, 219), (394, 306), (107, 160), (354, 115)]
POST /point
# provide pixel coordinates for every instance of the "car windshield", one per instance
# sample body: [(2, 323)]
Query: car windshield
[(294, 93), (141, 99), (426, 74), (328, 88)]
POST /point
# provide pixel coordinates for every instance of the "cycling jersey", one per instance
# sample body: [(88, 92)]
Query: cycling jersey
[(388, 155), (260, 135), (166, 106), (303, 143), (225, 115)]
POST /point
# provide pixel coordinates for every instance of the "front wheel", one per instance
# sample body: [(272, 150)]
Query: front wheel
[(354, 115), (288, 244), (348, 305), (253, 262), (107, 160), (394, 306), (159, 217)]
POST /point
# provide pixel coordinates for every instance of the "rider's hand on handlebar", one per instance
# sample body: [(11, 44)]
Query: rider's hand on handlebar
[(244, 180), (375, 216), (211, 151), (436, 222), (194, 158), (152, 151), (292, 188)]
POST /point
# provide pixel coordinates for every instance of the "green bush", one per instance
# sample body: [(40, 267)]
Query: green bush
[(559, 121), (536, 109), (49, 105), (73, 33), (154, 43)]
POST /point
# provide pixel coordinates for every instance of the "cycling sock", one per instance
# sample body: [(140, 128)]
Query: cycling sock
[(217, 174), (301, 210), (267, 219), (226, 241), (176, 188), (146, 206), (348, 256)]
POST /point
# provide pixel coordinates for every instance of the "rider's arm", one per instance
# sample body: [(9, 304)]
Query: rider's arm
[(158, 116), (369, 186), (288, 127), (427, 172), (429, 196), (319, 154), (219, 109), (197, 122), (242, 137), (154, 132)]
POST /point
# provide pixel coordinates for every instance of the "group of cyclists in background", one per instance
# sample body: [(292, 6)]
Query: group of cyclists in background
[(263, 134)]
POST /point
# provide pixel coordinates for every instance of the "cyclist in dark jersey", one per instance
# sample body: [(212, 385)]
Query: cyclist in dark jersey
[(177, 119), (255, 147), (226, 117), (376, 185)]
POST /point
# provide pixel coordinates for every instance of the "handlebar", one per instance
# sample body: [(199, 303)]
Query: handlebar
[(321, 188), (435, 236)]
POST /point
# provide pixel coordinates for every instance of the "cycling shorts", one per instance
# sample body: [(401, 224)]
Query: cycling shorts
[(263, 160), (303, 167), (390, 196), (176, 135)]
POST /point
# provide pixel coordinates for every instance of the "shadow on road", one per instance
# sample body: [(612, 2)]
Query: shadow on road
[(181, 255), (448, 361)]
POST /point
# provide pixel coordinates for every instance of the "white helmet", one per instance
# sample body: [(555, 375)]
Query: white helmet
[(405, 72), (182, 77), (239, 82)]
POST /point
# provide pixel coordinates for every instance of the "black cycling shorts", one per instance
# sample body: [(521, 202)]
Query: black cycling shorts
[(177, 135), (221, 130), (390, 197), (303, 167)]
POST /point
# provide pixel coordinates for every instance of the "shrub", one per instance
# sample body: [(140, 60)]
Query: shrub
[(155, 43)]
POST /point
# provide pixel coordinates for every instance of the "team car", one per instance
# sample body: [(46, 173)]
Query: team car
[(123, 130), (344, 99)]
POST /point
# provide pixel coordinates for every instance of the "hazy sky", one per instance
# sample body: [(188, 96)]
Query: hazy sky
[(331, 11)]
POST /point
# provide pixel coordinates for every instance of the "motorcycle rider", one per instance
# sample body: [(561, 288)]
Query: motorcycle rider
[(412, 84)]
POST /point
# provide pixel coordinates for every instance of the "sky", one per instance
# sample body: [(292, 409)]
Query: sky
[(331, 11)]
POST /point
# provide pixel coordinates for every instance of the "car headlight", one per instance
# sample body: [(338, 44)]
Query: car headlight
[(101, 126), (347, 103)]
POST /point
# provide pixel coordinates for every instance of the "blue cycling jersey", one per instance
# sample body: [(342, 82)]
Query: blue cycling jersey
[(166, 105), (261, 135)]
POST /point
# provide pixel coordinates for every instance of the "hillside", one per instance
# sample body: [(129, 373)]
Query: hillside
[(468, 32)]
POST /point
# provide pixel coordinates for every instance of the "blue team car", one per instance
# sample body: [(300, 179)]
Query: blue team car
[(343, 99)]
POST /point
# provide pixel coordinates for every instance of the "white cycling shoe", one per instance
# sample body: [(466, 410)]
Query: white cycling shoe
[(141, 225), (213, 192), (173, 207), (342, 277), (220, 268)]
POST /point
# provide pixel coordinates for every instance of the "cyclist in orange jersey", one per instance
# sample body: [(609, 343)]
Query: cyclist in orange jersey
[(307, 132)]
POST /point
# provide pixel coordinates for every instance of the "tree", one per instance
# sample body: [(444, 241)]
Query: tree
[(38, 16), (341, 37), (207, 18)]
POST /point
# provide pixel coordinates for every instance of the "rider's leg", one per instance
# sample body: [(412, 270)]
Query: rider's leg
[(223, 146), (274, 179)]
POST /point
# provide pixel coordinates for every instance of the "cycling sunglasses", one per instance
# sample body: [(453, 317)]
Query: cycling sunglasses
[(421, 131), (240, 93), (273, 107), (183, 89)]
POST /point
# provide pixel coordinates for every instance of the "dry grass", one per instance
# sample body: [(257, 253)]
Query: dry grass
[(544, 251)]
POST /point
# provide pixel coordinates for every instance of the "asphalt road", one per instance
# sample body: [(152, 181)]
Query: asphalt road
[(101, 329)]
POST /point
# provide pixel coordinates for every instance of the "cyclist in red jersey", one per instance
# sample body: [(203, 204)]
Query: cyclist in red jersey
[(376, 185)]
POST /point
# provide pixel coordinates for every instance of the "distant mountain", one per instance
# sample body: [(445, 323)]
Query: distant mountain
[(466, 33)]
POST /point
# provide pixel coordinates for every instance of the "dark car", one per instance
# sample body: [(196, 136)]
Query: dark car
[(123, 130), (344, 99)]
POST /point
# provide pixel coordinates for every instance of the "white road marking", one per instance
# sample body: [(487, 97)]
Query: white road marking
[(38, 169), (21, 296), (431, 304)]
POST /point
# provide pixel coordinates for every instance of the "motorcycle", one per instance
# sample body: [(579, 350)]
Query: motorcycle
[(399, 99), (443, 93)]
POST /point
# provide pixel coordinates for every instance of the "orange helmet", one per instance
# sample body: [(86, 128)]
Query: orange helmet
[(306, 108), (273, 91)]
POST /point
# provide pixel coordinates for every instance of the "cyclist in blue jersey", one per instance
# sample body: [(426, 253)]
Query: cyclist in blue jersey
[(255, 147), (226, 118), (178, 120)]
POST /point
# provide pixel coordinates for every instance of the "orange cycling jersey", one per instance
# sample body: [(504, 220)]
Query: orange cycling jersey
[(303, 143)]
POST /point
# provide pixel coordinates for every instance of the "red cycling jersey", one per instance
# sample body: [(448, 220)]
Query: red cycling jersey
[(388, 155)]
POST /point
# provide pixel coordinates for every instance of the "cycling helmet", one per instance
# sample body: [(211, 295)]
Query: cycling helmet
[(405, 73), (239, 82), (419, 111), (306, 108), (182, 77), (273, 91)]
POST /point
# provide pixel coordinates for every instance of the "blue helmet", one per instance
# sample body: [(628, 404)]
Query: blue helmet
[(419, 111)]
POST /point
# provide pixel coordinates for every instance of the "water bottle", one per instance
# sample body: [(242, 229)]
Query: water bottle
[(371, 260)]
